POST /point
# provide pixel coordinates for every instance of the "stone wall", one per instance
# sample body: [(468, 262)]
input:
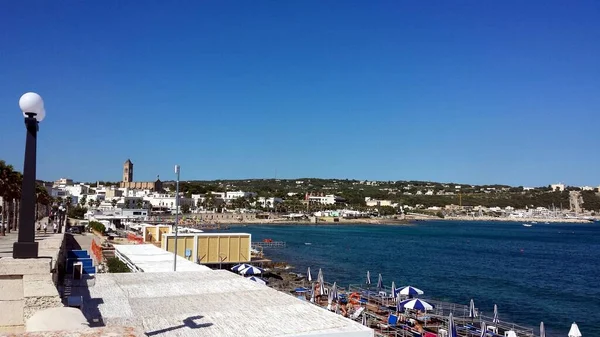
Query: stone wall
[(29, 285)]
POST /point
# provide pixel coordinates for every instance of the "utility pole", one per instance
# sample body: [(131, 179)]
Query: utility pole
[(176, 216)]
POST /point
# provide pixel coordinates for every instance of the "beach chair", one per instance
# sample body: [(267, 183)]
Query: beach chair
[(357, 313)]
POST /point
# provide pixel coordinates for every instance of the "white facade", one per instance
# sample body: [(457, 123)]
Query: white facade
[(328, 199)]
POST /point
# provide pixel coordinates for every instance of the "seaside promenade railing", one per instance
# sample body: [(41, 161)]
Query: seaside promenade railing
[(270, 244)]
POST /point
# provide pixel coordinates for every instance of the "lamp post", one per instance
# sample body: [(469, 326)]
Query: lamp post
[(32, 106), (176, 215)]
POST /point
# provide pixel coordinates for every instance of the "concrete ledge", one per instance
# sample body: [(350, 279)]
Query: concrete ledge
[(90, 332), (10, 266), (39, 286)]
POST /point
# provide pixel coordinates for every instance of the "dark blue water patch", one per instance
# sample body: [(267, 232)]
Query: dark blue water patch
[(544, 273)]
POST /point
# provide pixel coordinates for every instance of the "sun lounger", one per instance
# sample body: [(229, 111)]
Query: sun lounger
[(357, 313)]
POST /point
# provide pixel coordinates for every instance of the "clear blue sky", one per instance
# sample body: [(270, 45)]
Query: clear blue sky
[(463, 91)]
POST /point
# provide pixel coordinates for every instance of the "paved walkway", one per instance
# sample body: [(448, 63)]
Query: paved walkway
[(6, 242)]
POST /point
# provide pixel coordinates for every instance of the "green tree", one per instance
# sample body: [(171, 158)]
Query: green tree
[(185, 208)]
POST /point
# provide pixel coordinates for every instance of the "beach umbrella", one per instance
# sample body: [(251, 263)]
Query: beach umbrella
[(410, 291), (368, 282), (321, 283), (337, 309), (364, 319), (329, 300), (451, 327), (472, 312), (380, 282), (251, 270), (542, 330), (415, 304), (312, 295), (239, 267), (257, 280), (483, 329), (574, 332), (495, 320), (308, 275), (394, 292), (334, 291)]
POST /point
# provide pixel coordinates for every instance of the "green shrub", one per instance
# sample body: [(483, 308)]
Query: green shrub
[(116, 266), (97, 226), (77, 212)]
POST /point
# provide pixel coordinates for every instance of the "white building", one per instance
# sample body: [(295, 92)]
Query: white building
[(375, 203), (328, 199), (558, 187)]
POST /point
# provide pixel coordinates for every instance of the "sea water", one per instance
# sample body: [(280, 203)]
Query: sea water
[(547, 272)]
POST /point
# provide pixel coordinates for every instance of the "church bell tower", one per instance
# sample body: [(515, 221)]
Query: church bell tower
[(128, 171)]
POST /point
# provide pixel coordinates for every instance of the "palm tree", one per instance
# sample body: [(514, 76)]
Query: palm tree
[(83, 200), (6, 172)]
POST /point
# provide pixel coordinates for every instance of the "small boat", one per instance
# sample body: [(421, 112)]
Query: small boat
[(546, 223), (527, 225), (308, 243)]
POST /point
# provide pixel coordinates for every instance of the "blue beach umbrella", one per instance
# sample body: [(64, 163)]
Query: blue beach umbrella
[(239, 267), (483, 329), (258, 280), (308, 275), (451, 327), (495, 320), (410, 291), (542, 330), (368, 282), (472, 312), (415, 304), (380, 282), (251, 270)]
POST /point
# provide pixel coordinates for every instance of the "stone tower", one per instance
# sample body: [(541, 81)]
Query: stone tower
[(128, 171)]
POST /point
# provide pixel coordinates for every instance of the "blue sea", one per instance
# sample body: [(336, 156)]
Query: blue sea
[(548, 272)]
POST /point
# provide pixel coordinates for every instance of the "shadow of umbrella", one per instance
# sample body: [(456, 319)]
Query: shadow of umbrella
[(189, 322)]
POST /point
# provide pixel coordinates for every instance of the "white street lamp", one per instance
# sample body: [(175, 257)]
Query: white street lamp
[(32, 106)]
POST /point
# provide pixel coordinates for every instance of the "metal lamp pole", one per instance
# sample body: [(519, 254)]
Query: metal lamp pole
[(32, 106), (177, 169)]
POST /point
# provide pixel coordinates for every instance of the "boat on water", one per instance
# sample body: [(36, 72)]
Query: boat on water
[(527, 225), (308, 243)]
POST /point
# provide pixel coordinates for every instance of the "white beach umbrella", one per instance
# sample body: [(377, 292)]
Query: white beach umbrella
[(483, 329), (312, 295), (308, 275), (334, 291), (394, 292), (321, 281), (472, 312), (364, 319), (495, 320), (329, 300), (574, 332), (542, 330), (368, 282), (380, 282)]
